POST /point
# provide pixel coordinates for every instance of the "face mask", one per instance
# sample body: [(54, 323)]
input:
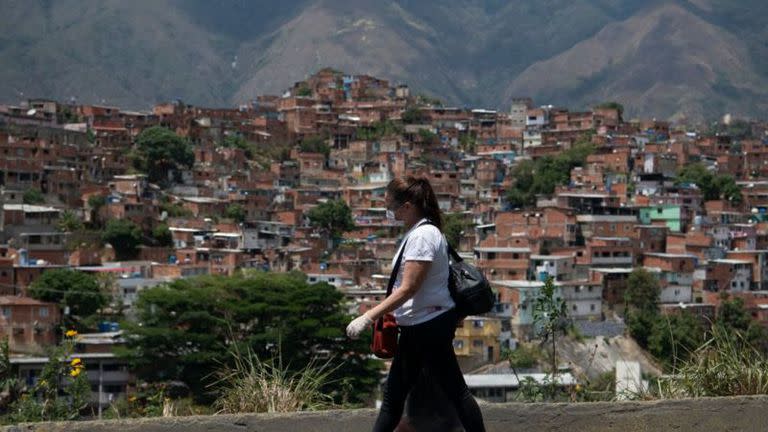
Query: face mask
[(390, 216)]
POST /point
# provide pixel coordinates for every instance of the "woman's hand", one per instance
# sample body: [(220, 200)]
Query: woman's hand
[(358, 325)]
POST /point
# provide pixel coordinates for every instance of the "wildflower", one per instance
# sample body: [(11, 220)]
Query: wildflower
[(71, 333), (76, 362), (132, 399), (578, 387), (74, 373)]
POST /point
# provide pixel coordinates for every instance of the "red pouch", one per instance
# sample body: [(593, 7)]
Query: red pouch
[(384, 341)]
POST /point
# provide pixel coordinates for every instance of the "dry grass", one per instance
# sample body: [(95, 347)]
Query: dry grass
[(726, 365), (255, 385)]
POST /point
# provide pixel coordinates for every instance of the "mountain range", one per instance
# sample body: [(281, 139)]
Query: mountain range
[(677, 59)]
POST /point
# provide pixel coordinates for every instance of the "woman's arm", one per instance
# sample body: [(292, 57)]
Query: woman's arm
[(414, 273)]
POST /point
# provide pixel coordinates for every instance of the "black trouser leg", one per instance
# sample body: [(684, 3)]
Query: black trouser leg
[(441, 364), (428, 348), (401, 378)]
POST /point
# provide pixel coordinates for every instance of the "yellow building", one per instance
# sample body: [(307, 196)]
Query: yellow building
[(477, 341)]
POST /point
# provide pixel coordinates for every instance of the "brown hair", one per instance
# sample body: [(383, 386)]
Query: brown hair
[(418, 192)]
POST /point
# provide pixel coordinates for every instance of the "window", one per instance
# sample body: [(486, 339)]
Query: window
[(574, 308), (458, 344), (7, 312), (477, 324), (43, 312), (477, 343), (592, 307)]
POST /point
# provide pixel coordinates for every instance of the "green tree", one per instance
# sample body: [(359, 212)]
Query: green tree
[(162, 235), (378, 130), (455, 225), (733, 316), (675, 337), (124, 236), (428, 137), (160, 152), (304, 91), (236, 211), (413, 115), (712, 187), (542, 176), (315, 144), (641, 299), (173, 209), (612, 105), (69, 222), (333, 216), (468, 143), (523, 357), (737, 129), (186, 328), (10, 385), (77, 290), (236, 141), (550, 318), (33, 196), (643, 291), (95, 204)]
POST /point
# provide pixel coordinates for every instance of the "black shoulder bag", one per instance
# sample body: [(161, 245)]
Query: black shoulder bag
[(469, 289)]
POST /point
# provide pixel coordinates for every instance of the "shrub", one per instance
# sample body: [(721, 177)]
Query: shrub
[(255, 385), (725, 365)]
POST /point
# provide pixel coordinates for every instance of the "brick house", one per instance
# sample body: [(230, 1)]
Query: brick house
[(29, 325)]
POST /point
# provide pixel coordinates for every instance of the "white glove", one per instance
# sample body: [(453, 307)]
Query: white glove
[(358, 325)]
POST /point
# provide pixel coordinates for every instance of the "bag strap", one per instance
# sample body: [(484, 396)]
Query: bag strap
[(395, 270)]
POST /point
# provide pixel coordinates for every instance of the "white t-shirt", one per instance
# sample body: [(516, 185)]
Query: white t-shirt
[(424, 242)]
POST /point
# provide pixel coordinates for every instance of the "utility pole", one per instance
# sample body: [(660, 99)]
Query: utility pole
[(101, 385)]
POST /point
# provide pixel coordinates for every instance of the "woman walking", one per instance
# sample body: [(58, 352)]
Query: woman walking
[(423, 308)]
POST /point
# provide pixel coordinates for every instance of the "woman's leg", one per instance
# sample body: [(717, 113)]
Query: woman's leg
[(441, 364), (402, 376)]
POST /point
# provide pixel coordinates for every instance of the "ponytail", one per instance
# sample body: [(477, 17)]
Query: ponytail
[(418, 191)]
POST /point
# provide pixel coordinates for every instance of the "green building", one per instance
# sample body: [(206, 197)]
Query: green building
[(671, 215)]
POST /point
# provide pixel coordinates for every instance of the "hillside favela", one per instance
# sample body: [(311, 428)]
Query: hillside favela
[(172, 263)]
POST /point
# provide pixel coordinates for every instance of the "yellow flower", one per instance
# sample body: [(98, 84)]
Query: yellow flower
[(132, 399), (578, 387), (71, 333), (76, 362), (75, 372)]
